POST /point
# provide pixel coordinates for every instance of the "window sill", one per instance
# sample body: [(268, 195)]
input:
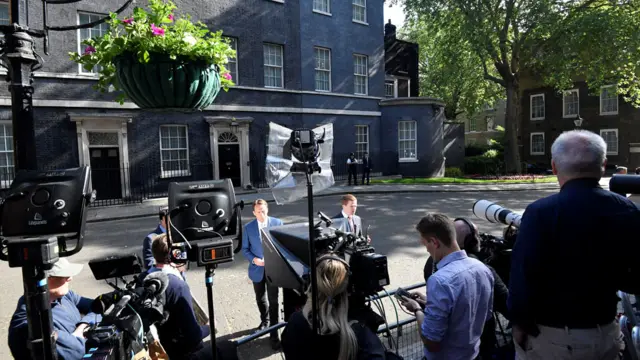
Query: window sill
[(323, 91), (537, 119), (408, 160), (608, 113), (360, 22), (536, 154), (570, 116), (174, 174), (365, 94), (322, 13), (612, 153), (274, 87), (278, 1)]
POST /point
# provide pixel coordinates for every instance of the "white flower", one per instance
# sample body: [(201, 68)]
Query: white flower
[(189, 39)]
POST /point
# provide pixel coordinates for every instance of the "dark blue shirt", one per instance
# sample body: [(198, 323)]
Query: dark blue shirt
[(571, 251), (66, 314), (180, 334)]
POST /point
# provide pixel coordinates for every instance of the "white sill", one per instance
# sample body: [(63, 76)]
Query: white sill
[(365, 94), (608, 113), (570, 116), (323, 91), (175, 174), (360, 22), (537, 119), (322, 13), (408, 160), (278, 1), (612, 153), (274, 87)]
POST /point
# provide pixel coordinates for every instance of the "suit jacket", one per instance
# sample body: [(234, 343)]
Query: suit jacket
[(252, 246), (367, 163), (343, 224)]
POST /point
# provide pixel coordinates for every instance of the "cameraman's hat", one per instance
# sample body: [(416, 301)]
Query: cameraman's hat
[(64, 268)]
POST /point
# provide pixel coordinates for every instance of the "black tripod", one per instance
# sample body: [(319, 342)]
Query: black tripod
[(35, 256), (208, 279)]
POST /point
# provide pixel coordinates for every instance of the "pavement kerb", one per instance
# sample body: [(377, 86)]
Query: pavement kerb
[(354, 191)]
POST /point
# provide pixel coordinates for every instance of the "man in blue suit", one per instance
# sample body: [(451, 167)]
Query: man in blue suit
[(253, 252)]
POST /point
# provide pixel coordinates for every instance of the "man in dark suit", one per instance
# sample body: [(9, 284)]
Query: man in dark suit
[(147, 254), (367, 165), (580, 239), (253, 252)]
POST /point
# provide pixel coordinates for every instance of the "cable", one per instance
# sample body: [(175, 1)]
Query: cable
[(397, 320)]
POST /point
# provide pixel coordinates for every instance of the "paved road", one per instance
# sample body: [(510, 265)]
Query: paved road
[(392, 218)]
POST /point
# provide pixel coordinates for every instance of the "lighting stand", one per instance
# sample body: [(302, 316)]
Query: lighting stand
[(312, 248), (208, 279), (35, 256)]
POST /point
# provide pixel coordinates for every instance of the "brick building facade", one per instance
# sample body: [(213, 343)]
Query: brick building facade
[(298, 64)]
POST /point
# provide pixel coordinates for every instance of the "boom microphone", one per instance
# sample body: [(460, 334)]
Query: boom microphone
[(494, 213)]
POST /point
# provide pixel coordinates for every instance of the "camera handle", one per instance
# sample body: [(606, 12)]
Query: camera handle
[(208, 279)]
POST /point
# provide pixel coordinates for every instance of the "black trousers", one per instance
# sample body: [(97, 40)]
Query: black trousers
[(367, 173), (354, 173), (270, 308)]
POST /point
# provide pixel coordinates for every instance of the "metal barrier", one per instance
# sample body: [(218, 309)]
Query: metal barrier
[(401, 336)]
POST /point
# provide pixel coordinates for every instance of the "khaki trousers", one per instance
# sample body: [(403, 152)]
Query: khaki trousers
[(601, 343)]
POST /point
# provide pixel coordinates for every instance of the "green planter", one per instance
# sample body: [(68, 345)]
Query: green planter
[(166, 83)]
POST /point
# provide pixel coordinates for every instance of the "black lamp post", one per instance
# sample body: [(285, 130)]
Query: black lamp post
[(19, 57)]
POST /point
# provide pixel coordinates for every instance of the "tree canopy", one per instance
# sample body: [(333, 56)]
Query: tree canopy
[(555, 41), (449, 68)]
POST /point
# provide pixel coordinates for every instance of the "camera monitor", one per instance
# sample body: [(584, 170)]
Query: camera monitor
[(47, 203), (115, 266), (202, 209)]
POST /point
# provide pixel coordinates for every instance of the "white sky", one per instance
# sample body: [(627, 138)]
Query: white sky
[(394, 13)]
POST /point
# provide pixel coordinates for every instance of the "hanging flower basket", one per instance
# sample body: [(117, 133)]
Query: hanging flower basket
[(167, 83), (159, 59)]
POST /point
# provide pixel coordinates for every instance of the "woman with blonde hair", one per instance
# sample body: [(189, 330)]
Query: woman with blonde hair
[(338, 340)]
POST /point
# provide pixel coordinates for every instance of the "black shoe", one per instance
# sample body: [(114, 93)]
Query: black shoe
[(263, 325), (275, 342)]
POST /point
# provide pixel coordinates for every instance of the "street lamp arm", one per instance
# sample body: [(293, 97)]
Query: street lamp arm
[(83, 26)]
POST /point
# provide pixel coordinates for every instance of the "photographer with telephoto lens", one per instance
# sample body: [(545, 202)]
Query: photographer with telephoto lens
[(573, 253), (340, 338)]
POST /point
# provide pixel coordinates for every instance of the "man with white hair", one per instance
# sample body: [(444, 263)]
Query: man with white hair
[(572, 252)]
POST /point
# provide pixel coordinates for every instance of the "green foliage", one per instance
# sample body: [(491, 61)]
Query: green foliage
[(158, 32), (453, 172), (449, 68), (553, 42), (482, 165), (475, 149), (491, 153)]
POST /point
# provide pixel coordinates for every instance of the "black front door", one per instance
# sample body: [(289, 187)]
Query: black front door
[(105, 172), (229, 158)]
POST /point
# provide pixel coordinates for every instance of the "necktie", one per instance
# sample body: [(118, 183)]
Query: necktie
[(351, 227)]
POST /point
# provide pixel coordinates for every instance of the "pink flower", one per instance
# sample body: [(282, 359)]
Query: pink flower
[(89, 50), (171, 17), (227, 76), (157, 30), (128, 21)]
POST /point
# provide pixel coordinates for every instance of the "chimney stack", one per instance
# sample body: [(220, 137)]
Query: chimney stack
[(390, 31)]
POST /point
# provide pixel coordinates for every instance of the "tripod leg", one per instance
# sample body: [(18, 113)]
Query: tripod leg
[(41, 341), (208, 277)]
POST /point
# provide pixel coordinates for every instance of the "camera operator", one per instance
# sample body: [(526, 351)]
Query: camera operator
[(468, 239), (460, 295), (580, 239), (340, 339), (147, 254), (67, 308), (181, 335)]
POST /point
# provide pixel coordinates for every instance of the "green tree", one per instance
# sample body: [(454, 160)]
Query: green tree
[(555, 41), (449, 68)]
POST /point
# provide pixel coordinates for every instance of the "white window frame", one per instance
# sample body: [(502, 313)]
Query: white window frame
[(281, 67), (617, 101), (365, 76), (8, 20), (544, 144), (473, 120), (415, 142), (174, 173), (79, 39), (544, 105), (395, 84), (359, 154), (234, 46), (355, 6), (320, 11), (317, 70), (6, 183), (564, 108), (392, 86), (609, 152)]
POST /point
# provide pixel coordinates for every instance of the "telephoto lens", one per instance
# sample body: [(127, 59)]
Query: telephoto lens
[(494, 213)]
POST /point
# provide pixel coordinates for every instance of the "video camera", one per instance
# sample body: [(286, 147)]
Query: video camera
[(129, 313)]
